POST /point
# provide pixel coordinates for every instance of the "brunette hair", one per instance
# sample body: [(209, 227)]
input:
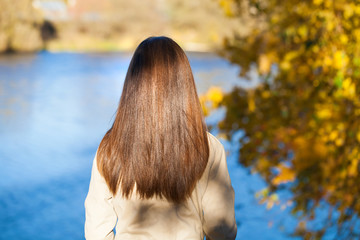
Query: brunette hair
[(158, 142)]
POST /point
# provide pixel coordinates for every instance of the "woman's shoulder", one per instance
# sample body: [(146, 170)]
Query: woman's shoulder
[(214, 143), (216, 151)]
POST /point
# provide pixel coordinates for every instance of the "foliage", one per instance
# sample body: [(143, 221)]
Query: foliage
[(302, 123), (19, 26), (211, 100)]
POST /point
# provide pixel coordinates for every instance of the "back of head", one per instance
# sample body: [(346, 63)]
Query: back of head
[(158, 140)]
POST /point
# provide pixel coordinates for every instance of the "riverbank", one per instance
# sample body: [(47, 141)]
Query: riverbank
[(30, 26), (122, 44)]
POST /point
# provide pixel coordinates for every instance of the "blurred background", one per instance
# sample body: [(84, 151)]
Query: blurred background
[(278, 81)]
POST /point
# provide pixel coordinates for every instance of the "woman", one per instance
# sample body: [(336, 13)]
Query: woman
[(158, 174)]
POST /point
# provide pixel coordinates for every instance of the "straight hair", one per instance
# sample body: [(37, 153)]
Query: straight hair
[(158, 143)]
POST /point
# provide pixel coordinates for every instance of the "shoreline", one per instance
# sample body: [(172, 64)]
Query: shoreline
[(95, 51)]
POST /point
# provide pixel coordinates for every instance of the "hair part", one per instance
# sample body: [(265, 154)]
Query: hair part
[(158, 140)]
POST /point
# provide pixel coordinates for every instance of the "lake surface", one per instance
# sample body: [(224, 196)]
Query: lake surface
[(54, 111)]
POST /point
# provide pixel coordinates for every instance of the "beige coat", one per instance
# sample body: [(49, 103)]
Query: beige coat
[(209, 211)]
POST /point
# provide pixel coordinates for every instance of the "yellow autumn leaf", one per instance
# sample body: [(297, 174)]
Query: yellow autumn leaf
[(262, 193), (215, 96), (354, 153), (227, 7), (303, 31), (316, 49), (349, 88), (286, 174), (339, 142), (272, 200), (265, 94), (264, 64), (251, 104), (327, 61), (348, 11), (333, 135), (291, 55), (275, 19), (285, 65), (356, 34), (330, 188), (317, 2), (330, 25), (265, 197), (340, 60), (328, 3), (323, 113), (340, 126), (320, 150), (344, 39), (353, 167)]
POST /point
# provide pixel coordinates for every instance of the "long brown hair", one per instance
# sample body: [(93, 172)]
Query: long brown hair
[(158, 140)]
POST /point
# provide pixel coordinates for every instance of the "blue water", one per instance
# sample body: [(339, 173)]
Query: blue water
[(55, 109)]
